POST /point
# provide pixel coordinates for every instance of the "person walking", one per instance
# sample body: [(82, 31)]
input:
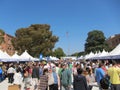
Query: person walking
[(27, 80), (90, 78), (114, 73), (35, 76), (80, 82), (53, 79), (43, 85), (99, 74), (66, 79), (10, 73), (18, 78)]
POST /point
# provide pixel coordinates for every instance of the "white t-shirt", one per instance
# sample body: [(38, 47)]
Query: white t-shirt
[(17, 78)]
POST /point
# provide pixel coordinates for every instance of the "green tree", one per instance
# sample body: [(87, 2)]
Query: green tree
[(78, 54), (2, 33), (75, 54), (35, 39), (95, 42), (58, 52)]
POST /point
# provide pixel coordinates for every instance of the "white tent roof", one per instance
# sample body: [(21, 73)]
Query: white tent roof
[(101, 55), (4, 56), (81, 57), (16, 56), (104, 53), (115, 51), (25, 56), (53, 58), (90, 55)]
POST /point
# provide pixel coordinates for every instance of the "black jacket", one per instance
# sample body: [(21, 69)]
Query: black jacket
[(35, 72), (80, 83)]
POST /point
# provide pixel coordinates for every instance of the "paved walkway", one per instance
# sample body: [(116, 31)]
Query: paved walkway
[(4, 85)]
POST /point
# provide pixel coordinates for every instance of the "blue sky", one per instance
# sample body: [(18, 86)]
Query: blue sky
[(77, 17)]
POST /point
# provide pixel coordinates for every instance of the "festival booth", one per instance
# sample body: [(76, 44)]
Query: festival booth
[(52, 58), (26, 57), (4, 57), (89, 56), (115, 53), (15, 57), (101, 55), (80, 58)]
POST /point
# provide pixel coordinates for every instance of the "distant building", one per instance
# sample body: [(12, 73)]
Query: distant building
[(113, 41), (7, 44)]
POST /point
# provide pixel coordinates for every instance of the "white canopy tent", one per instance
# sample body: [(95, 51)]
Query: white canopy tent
[(80, 58), (101, 55), (15, 57), (4, 56), (89, 55), (26, 57), (104, 53), (115, 53), (53, 58)]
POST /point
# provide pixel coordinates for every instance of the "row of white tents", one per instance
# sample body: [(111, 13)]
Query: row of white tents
[(25, 56), (114, 54)]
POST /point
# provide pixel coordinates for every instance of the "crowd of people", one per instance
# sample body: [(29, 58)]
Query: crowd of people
[(62, 75)]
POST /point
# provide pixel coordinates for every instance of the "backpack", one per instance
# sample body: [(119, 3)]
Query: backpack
[(105, 83)]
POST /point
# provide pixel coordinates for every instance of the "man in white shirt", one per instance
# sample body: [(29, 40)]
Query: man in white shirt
[(10, 73)]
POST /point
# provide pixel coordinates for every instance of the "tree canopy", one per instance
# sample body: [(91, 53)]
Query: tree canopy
[(95, 42), (58, 52), (35, 39), (78, 54)]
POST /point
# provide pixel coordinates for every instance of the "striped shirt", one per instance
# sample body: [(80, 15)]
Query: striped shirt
[(43, 82)]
